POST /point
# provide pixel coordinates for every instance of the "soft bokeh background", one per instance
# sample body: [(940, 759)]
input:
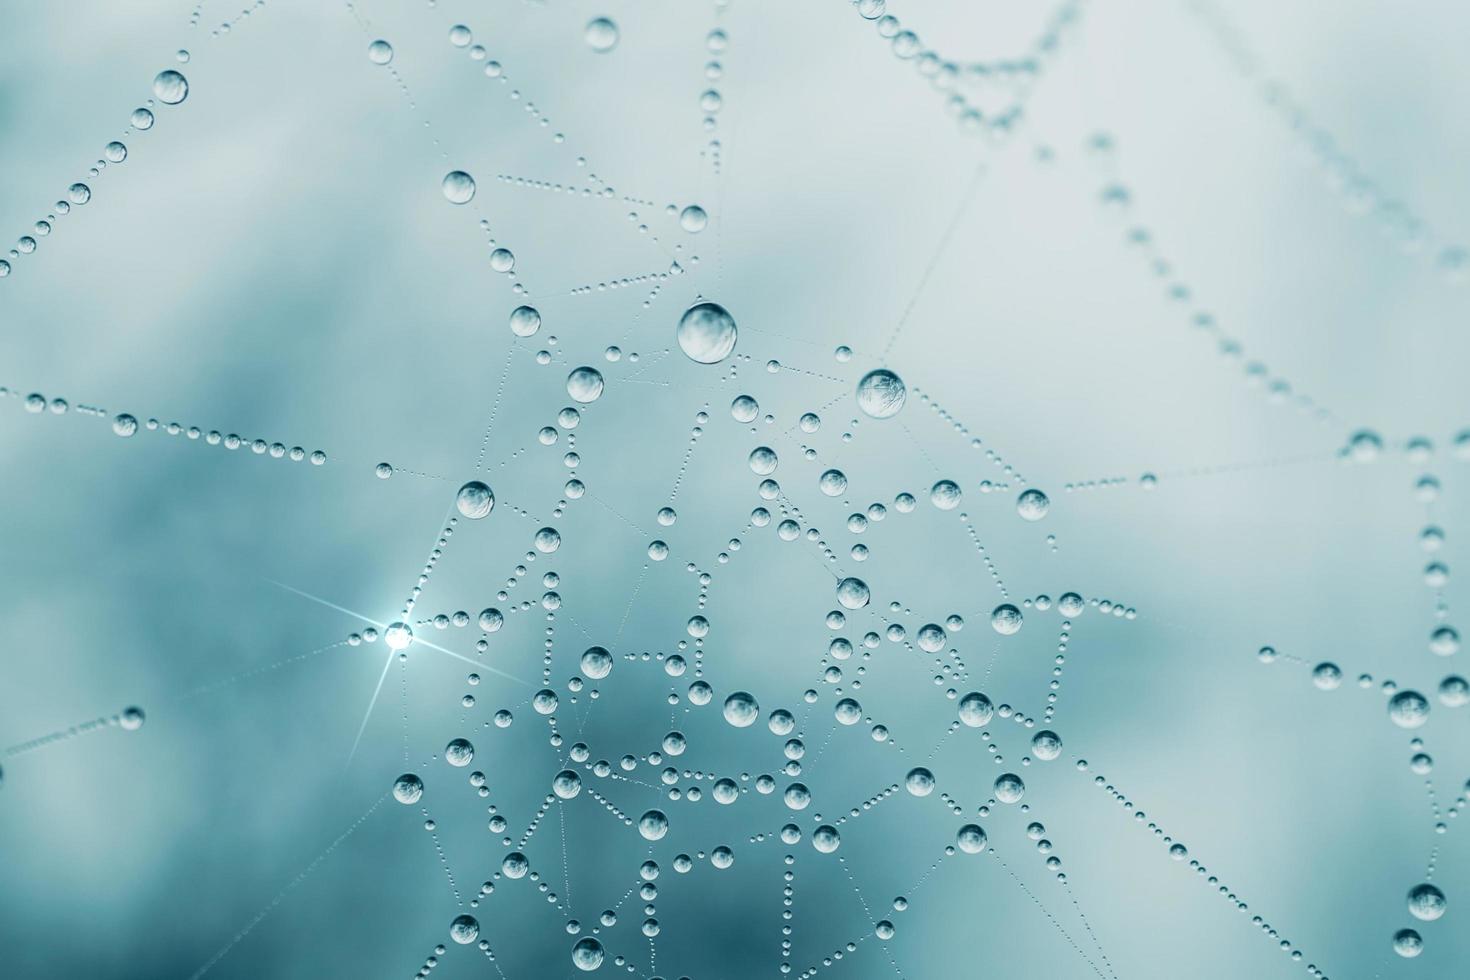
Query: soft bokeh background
[(275, 259)]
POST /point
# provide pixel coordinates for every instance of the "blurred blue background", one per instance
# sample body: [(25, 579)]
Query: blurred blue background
[(275, 258)]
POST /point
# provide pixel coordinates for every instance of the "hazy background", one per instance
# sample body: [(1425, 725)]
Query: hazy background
[(275, 258)]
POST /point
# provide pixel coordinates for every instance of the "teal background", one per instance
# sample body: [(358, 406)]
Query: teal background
[(275, 258)]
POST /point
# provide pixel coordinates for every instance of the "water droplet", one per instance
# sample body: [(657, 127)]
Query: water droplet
[(741, 709), (380, 52), (919, 781), (744, 409), (1408, 709), (1408, 943), (976, 709), (597, 663), (1327, 676), (170, 87), (1426, 902), (653, 825), (881, 393), (1032, 505), (832, 483), (408, 788), (566, 784), (525, 321), (826, 839), (584, 384), (763, 460), (853, 593), (475, 500), (587, 954), (459, 753), (458, 187), (945, 494), (601, 35), (706, 333), (1046, 745), (693, 219), (1009, 788), (1005, 619), (398, 636), (464, 929), (971, 838)]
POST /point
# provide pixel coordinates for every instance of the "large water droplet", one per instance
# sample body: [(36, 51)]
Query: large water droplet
[(881, 393), (707, 333), (475, 500), (170, 87), (601, 35), (458, 187)]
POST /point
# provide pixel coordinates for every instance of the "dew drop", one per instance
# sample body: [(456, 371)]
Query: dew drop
[(170, 87), (706, 333), (458, 187), (881, 393), (601, 35)]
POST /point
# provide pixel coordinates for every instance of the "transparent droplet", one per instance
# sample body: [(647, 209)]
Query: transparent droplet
[(596, 663), (1032, 505), (919, 781), (459, 753), (706, 333), (1005, 619), (1426, 902), (1408, 709), (475, 500), (1046, 745), (464, 929), (1408, 943), (398, 636), (853, 593), (653, 825), (170, 87), (408, 788), (693, 219), (945, 494), (584, 384), (826, 839), (1009, 788), (601, 35), (587, 954), (881, 393), (458, 187), (566, 784), (525, 321), (971, 838), (741, 709)]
